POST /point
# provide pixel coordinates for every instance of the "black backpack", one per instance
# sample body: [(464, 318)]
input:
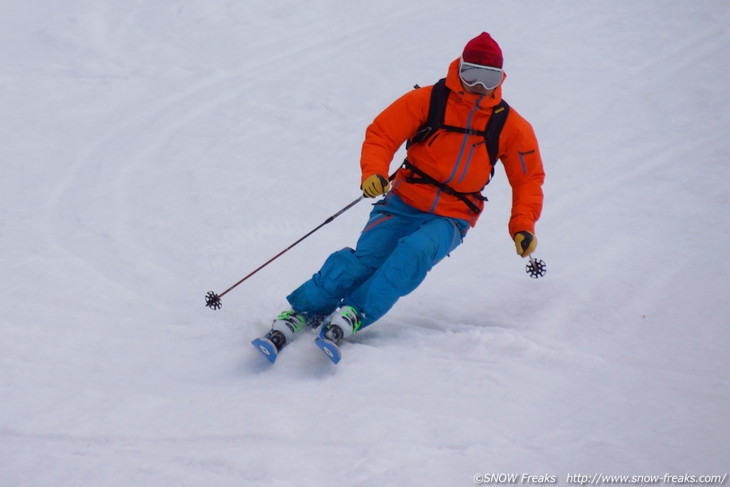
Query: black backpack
[(435, 122)]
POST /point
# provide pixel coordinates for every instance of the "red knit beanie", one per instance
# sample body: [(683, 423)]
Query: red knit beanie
[(483, 50)]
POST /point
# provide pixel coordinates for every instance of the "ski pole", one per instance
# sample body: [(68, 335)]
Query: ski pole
[(213, 300)]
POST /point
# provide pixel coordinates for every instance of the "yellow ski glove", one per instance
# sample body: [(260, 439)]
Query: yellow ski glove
[(375, 185), (525, 243)]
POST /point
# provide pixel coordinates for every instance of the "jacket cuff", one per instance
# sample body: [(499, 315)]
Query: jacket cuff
[(521, 225)]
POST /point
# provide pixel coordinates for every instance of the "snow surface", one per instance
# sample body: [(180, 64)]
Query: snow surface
[(153, 151)]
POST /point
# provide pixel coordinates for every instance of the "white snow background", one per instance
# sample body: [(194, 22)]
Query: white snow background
[(153, 151)]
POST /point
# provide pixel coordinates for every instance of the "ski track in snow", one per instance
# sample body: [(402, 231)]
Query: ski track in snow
[(153, 152)]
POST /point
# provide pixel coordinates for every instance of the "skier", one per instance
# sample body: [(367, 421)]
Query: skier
[(434, 200)]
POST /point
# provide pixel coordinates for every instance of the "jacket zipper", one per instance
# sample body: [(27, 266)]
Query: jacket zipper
[(461, 154)]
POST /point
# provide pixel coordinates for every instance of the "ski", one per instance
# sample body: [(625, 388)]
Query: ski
[(330, 349), (267, 348)]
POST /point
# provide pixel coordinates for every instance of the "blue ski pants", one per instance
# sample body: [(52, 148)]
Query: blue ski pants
[(395, 251)]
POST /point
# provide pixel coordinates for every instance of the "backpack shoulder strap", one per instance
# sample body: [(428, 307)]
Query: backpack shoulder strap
[(436, 112), (494, 129)]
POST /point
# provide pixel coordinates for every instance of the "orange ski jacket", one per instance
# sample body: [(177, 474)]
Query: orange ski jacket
[(458, 160)]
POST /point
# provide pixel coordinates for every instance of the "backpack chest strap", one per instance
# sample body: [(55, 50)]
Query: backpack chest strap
[(422, 178)]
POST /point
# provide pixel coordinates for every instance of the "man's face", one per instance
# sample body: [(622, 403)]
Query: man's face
[(478, 79)]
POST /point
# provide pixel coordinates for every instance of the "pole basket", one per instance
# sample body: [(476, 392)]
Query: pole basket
[(213, 301), (536, 268)]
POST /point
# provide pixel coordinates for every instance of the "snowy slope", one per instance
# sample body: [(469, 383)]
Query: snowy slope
[(153, 151)]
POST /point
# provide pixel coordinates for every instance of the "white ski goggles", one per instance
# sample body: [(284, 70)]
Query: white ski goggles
[(476, 74)]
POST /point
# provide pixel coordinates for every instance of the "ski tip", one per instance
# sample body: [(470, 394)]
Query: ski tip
[(329, 348), (266, 348)]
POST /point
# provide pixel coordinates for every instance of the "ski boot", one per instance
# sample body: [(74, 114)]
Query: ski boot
[(283, 331), (344, 322)]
